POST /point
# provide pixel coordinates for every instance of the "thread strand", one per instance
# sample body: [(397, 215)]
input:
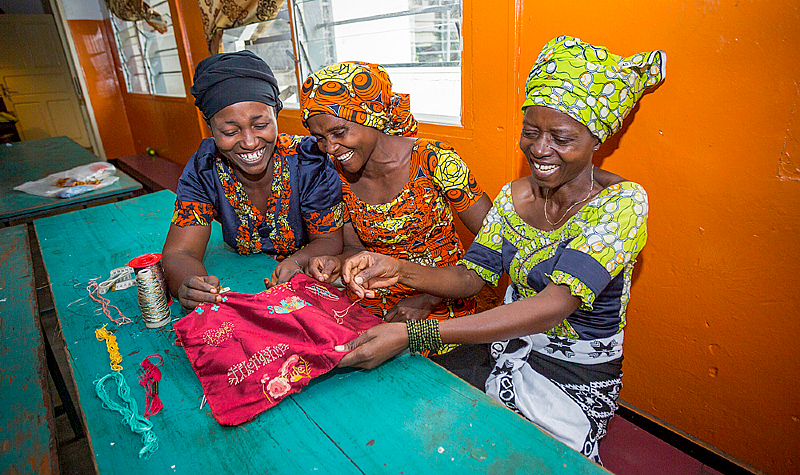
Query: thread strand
[(129, 412)]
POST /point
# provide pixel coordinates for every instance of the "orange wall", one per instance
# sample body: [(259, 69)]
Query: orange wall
[(711, 343)]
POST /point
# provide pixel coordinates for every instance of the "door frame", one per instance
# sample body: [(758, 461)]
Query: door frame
[(78, 80)]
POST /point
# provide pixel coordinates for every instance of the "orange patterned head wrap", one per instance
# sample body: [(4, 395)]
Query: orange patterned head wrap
[(361, 93)]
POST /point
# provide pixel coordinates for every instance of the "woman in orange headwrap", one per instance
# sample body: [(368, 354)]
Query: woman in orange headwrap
[(397, 190)]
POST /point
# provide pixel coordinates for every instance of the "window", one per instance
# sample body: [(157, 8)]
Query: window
[(149, 59), (417, 41)]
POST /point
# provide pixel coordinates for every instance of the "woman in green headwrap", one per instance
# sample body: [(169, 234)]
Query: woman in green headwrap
[(568, 235)]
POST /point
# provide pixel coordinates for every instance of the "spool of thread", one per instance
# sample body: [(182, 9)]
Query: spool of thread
[(154, 298), (151, 261)]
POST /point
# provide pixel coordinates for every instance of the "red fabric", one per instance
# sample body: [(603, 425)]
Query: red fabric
[(252, 351)]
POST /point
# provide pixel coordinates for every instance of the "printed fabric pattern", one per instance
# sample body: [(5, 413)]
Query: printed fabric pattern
[(361, 93), (417, 225), (593, 253), (306, 198), (252, 351), (590, 84)]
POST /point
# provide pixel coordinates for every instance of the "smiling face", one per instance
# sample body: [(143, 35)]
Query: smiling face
[(347, 142), (245, 133), (558, 147)]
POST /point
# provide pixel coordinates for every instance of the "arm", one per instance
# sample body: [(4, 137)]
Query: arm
[(532, 315), (319, 245), (472, 217), (369, 270), (186, 276)]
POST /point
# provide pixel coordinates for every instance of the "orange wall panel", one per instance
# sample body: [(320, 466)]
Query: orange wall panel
[(97, 64), (167, 125), (711, 345)]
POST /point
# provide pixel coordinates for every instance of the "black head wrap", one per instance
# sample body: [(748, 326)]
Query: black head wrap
[(227, 78)]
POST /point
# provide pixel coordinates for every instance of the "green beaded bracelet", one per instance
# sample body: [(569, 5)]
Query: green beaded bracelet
[(423, 335)]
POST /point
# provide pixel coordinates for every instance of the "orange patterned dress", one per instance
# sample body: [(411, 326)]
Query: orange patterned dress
[(417, 225)]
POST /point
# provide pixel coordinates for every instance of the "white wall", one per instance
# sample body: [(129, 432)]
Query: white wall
[(84, 9)]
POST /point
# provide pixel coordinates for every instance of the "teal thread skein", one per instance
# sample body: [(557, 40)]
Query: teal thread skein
[(130, 414)]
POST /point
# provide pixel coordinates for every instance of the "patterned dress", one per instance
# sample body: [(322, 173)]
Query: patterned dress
[(306, 198), (417, 225), (565, 380)]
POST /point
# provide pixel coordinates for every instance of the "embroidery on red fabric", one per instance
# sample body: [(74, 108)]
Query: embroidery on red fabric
[(252, 351), (219, 336), (294, 369)]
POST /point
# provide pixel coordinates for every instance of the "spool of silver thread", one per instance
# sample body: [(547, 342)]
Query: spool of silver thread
[(153, 301)]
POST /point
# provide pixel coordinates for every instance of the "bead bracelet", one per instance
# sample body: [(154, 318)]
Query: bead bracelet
[(423, 335)]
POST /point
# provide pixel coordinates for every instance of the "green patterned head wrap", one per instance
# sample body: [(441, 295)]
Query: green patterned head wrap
[(590, 84)]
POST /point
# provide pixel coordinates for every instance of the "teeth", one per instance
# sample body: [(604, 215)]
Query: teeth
[(544, 168), (252, 156), (345, 157)]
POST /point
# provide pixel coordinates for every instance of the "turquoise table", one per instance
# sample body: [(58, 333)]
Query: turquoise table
[(408, 416), (36, 159), (27, 428)]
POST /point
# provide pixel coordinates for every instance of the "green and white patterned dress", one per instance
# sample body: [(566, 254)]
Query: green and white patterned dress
[(567, 379)]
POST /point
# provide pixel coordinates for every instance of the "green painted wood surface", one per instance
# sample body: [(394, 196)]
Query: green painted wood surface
[(36, 159), (408, 416), (27, 433)]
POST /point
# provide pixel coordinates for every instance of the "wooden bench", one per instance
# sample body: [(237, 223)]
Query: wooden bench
[(27, 427), (154, 173)]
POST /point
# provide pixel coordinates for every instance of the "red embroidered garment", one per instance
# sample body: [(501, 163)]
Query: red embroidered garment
[(251, 351)]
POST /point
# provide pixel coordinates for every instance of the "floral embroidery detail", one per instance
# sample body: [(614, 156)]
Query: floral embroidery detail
[(220, 336), (294, 369), (288, 305), (215, 307), (248, 241), (278, 387), (238, 372), (199, 310), (224, 299), (282, 235), (189, 213)]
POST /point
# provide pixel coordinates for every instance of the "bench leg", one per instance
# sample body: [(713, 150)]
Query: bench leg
[(61, 387)]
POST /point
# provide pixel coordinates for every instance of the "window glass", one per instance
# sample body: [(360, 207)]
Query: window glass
[(149, 59), (417, 41), (271, 41)]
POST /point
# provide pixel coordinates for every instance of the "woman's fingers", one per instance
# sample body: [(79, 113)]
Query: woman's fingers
[(324, 268), (368, 270), (198, 289), (375, 346)]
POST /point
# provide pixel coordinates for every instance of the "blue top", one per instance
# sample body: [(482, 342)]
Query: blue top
[(306, 198)]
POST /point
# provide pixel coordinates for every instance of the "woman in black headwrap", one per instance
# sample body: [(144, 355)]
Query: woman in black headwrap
[(272, 193)]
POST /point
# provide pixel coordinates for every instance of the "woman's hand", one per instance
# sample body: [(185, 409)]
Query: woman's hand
[(375, 345), (285, 271), (197, 289), (369, 270), (416, 307), (325, 268)]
